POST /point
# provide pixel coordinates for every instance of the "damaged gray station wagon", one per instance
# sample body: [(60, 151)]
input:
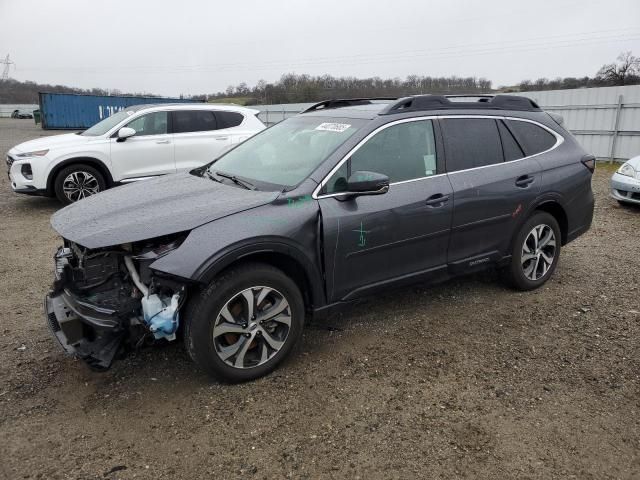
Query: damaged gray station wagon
[(349, 198)]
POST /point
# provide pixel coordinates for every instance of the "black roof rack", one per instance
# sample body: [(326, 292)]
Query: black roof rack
[(344, 102), (442, 102)]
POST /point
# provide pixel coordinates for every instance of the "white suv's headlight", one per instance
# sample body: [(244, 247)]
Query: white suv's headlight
[(37, 153), (627, 170)]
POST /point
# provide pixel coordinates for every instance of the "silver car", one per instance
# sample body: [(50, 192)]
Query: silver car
[(625, 183)]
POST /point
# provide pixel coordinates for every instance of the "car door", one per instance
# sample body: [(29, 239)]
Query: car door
[(148, 153), (493, 184), (373, 241), (197, 138)]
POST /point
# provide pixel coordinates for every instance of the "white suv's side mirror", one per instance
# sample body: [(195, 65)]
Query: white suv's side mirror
[(124, 133)]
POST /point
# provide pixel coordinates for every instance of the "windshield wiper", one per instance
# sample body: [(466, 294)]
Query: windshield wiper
[(236, 180), (211, 176)]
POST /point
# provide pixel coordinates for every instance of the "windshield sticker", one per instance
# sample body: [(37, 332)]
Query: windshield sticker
[(333, 127)]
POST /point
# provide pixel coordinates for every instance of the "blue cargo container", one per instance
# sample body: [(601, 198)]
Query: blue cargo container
[(73, 112)]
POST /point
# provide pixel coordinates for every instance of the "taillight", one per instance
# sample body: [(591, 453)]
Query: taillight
[(589, 161)]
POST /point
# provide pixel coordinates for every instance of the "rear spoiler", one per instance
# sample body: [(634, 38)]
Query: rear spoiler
[(559, 119)]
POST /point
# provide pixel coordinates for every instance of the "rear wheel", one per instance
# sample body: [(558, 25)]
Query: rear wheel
[(535, 252), (245, 323), (78, 181)]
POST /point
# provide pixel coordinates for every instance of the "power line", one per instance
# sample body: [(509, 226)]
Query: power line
[(7, 64), (485, 48)]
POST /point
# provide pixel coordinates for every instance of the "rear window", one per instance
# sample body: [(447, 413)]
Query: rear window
[(510, 147), (531, 137), (193, 121), (229, 119), (471, 143)]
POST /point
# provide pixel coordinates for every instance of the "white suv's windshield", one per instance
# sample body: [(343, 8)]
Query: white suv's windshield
[(108, 123), (288, 152)]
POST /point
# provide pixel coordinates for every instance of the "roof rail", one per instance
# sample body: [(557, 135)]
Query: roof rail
[(343, 102), (442, 102)]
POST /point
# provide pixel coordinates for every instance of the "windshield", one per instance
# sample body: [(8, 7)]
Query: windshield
[(108, 123), (288, 152)]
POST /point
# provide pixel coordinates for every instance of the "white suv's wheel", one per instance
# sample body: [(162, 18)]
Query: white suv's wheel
[(78, 181)]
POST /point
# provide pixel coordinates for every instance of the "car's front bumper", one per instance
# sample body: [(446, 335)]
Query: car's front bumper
[(625, 188), (88, 331), (83, 336), (36, 185)]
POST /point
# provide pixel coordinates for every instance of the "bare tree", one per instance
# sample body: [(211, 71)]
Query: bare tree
[(627, 68)]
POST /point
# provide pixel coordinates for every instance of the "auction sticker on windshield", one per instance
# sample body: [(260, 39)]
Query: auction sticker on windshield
[(333, 127)]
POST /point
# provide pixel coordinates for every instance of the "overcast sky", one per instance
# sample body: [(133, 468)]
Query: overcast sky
[(197, 46)]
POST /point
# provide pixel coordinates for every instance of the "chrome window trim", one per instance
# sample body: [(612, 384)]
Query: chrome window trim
[(316, 195)]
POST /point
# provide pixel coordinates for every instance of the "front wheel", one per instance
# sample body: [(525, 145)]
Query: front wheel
[(535, 252), (78, 181), (245, 323)]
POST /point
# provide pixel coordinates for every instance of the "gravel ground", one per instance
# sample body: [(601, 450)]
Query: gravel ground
[(466, 379)]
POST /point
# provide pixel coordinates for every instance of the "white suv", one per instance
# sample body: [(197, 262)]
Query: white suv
[(134, 144)]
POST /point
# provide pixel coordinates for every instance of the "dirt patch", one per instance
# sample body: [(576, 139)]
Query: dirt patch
[(467, 379)]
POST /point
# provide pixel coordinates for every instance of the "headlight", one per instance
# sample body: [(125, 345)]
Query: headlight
[(37, 153), (627, 170)]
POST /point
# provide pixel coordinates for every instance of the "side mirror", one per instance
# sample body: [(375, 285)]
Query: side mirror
[(124, 133), (367, 183)]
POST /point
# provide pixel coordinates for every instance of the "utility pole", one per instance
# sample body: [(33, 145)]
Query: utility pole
[(7, 64)]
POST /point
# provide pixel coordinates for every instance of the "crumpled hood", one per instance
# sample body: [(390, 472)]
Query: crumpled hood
[(54, 141), (152, 208)]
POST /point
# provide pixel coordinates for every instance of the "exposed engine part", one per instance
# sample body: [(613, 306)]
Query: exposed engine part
[(160, 314), (135, 278), (102, 303), (161, 318), (61, 258)]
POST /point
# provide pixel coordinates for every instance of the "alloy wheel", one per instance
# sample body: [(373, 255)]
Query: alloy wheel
[(252, 327), (538, 252), (80, 184)]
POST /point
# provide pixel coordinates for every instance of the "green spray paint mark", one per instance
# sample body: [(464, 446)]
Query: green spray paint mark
[(362, 240), (298, 202)]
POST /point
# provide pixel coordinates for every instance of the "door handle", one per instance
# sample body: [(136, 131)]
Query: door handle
[(222, 138), (163, 141), (437, 200), (524, 181)]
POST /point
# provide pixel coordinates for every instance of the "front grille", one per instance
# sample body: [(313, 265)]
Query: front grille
[(53, 322)]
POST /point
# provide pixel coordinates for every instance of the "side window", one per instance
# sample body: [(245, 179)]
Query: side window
[(471, 143), (533, 138), (338, 181), (150, 124), (228, 119), (510, 147), (193, 121), (402, 152)]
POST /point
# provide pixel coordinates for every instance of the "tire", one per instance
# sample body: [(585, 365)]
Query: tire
[(534, 271), (89, 180), (229, 344)]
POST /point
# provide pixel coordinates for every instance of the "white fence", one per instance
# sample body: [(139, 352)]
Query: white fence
[(606, 120), (272, 114), (7, 109)]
